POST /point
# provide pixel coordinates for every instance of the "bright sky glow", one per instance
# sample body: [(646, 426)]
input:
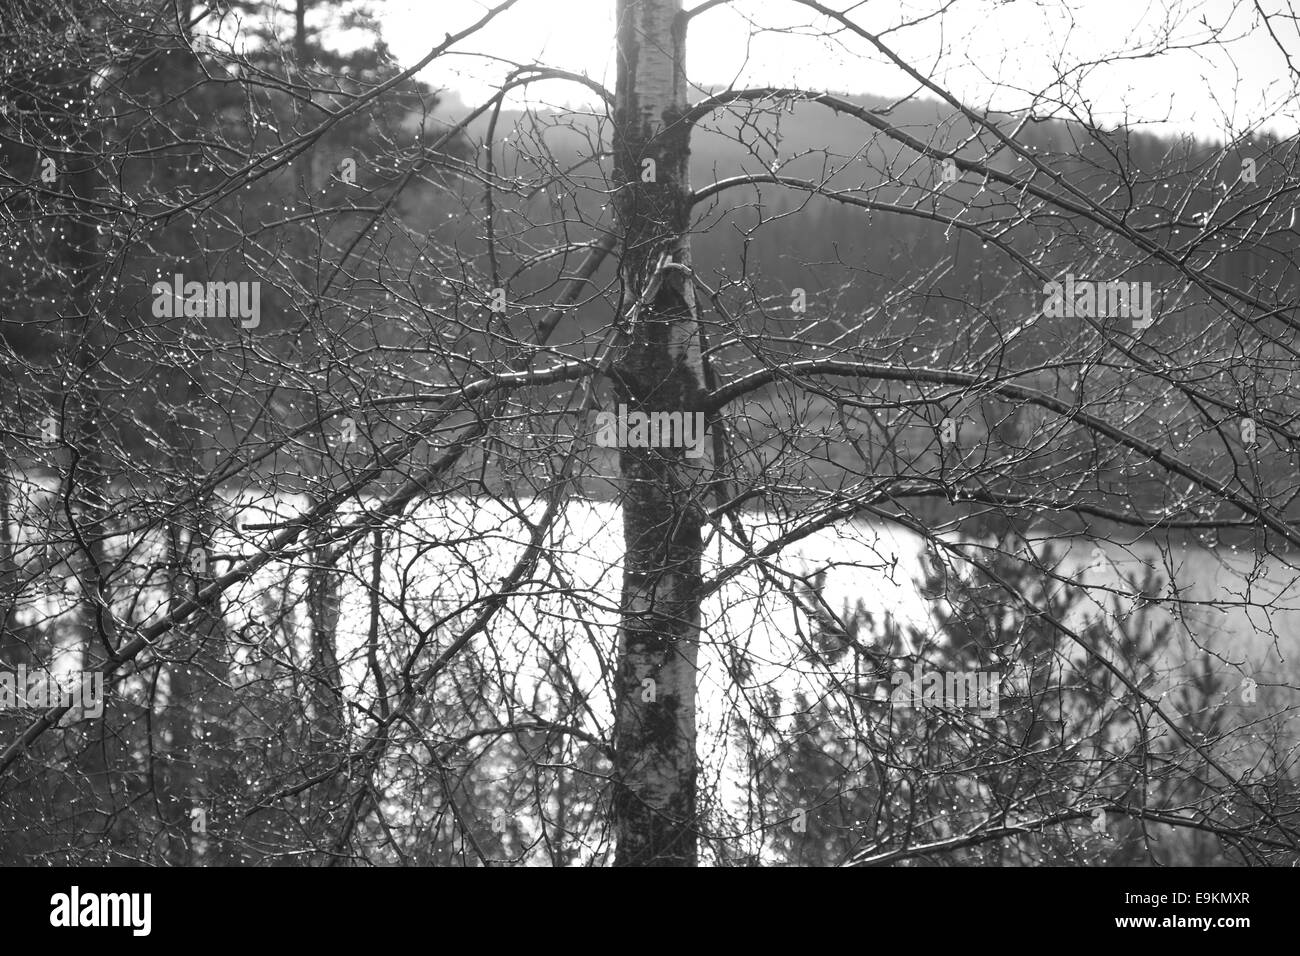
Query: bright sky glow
[(1125, 61)]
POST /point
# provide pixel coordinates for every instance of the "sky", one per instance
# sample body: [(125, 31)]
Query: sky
[(1126, 61)]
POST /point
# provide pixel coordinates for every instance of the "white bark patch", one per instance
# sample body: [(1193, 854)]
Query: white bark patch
[(656, 80)]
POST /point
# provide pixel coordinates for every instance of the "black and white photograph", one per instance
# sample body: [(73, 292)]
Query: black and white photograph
[(778, 434)]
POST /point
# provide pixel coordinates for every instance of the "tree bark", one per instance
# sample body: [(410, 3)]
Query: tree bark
[(658, 368)]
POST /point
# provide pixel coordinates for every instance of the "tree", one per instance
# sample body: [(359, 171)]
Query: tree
[(329, 406), (657, 368)]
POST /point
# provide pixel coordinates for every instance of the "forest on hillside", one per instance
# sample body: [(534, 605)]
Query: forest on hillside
[(301, 358)]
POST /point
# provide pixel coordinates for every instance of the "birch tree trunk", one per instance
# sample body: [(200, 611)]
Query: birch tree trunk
[(658, 369)]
